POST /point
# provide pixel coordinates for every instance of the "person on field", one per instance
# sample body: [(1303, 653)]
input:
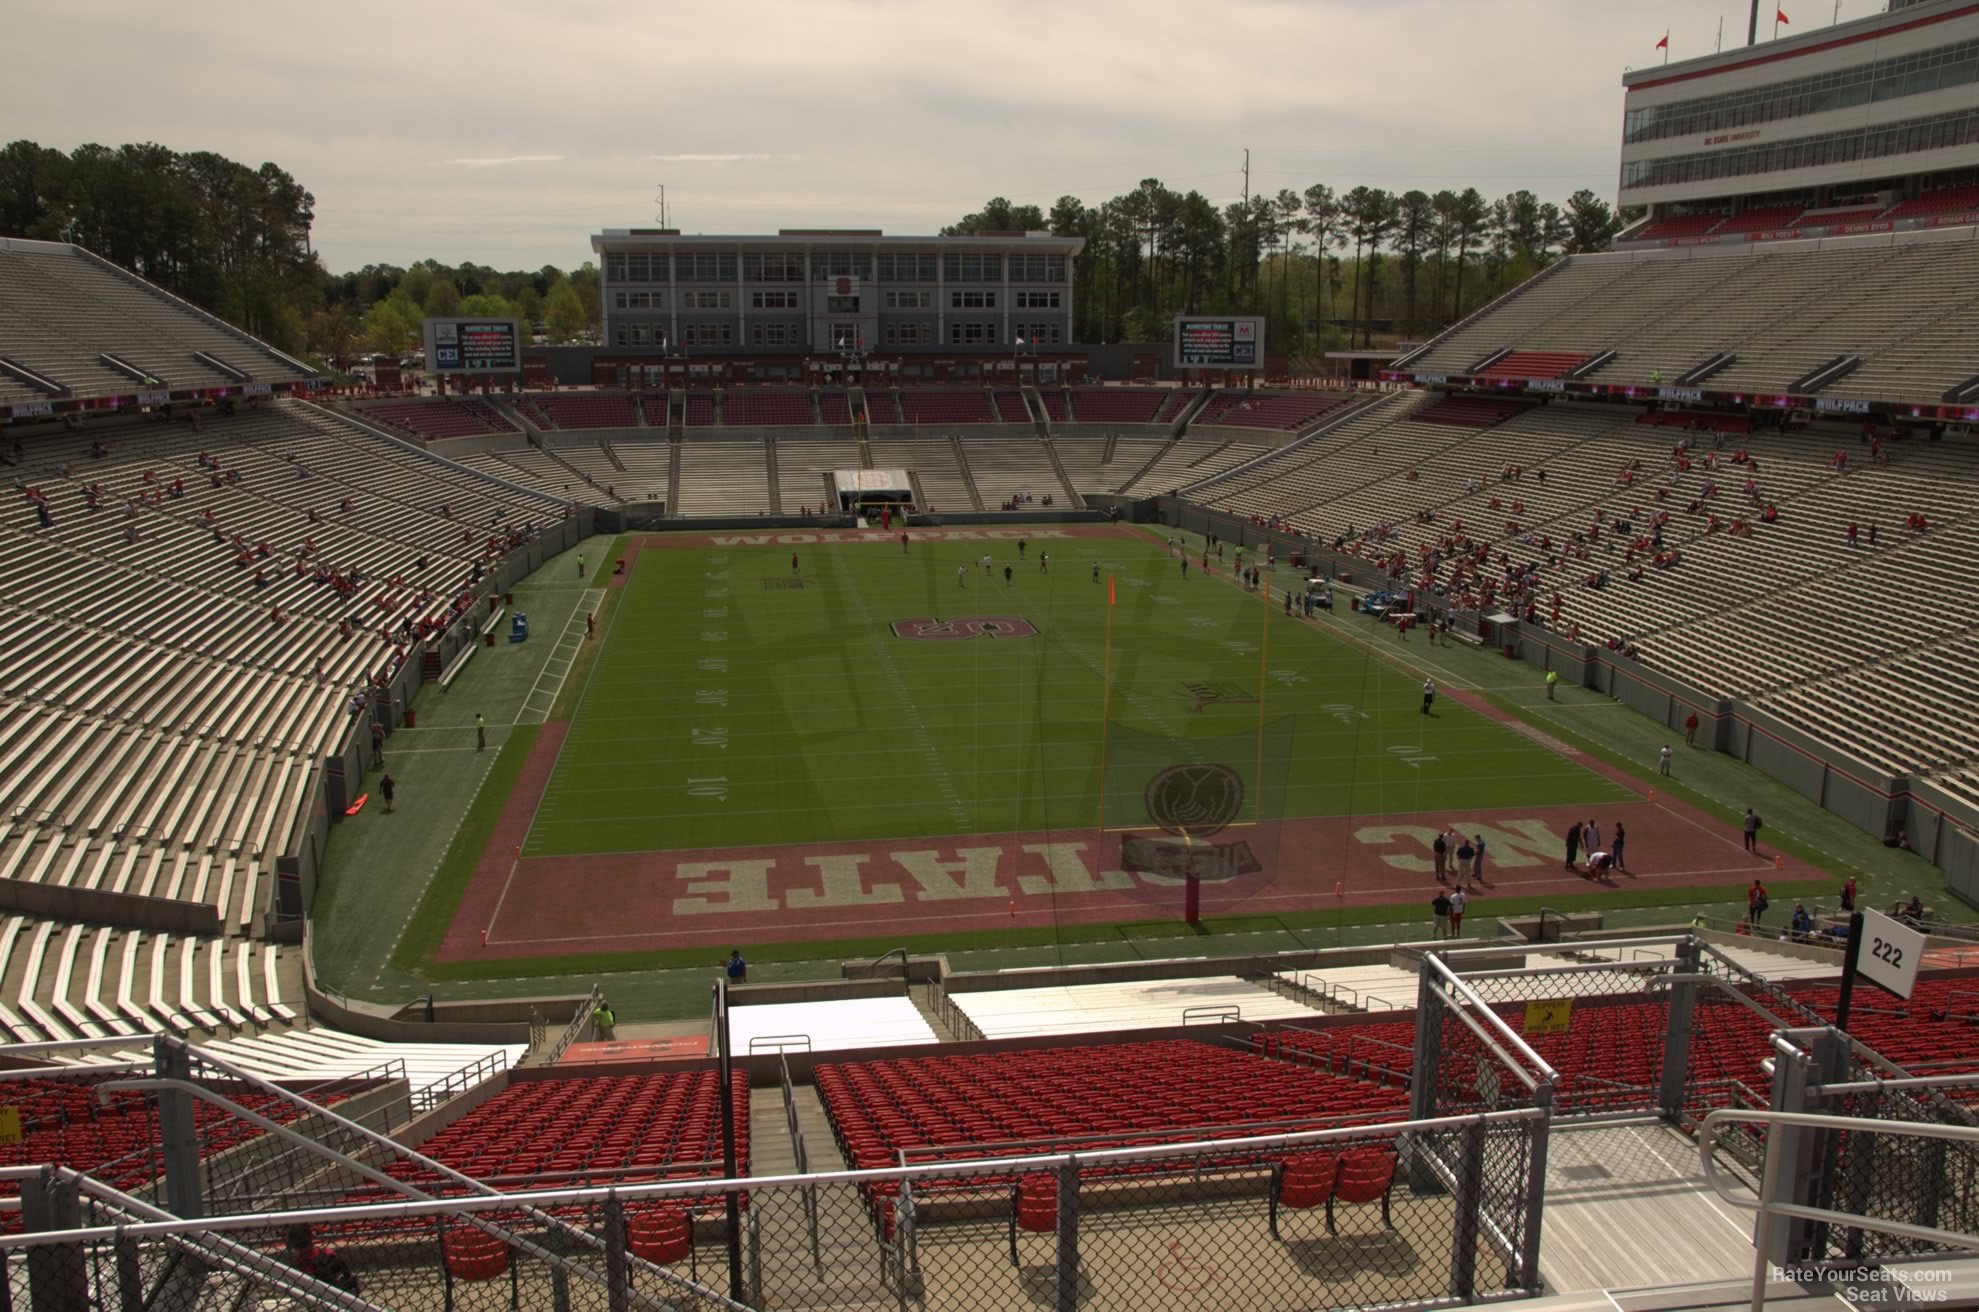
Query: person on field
[(1690, 731), (738, 969), (961, 576), (377, 743), (1006, 576), (1440, 848), (1457, 901), (604, 1019), (1440, 907), (1552, 681), (1615, 848), (1428, 695), (1663, 760), (387, 789), (1750, 826), (1095, 571), (1573, 843), (480, 732), (1477, 866), (793, 562), (580, 564)]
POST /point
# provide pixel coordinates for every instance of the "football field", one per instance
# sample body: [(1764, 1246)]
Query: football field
[(754, 695), (820, 742)]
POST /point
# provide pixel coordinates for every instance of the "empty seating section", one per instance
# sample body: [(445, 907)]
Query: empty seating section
[(1056, 408), (722, 476), (804, 466), (1680, 225), (653, 409), (1008, 467), (1534, 364), (1010, 407), (1179, 400), (167, 752), (1192, 459), (1826, 218), (1118, 405), (1759, 220), (440, 419), (1472, 411), (881, 407), (1945, 200), (1117, 1095), (582, 410), (648, 467), (1906, 309), (1931, 1033), (114, 1136), (570, 1132), (700, 411), (744, 408), (1289, 411), (934, 465), (935, 405), (835, 407), (65, 309)]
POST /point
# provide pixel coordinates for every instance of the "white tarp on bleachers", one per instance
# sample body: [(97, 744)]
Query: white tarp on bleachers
[(1100, 1008), (830, 1026)]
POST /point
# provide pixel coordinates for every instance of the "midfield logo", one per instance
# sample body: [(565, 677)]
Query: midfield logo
[(973, 626), (1223, 692)]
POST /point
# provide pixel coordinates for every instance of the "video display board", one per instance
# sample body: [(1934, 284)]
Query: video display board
[(1229, 342), (473, 346)]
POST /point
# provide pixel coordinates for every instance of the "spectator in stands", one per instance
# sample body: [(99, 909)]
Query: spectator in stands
[(387, 788), (738, 969), (1802, 924)]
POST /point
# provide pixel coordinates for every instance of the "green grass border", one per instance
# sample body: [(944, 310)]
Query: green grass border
[(441, 901)]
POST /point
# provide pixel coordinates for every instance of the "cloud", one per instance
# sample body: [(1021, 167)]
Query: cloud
[(727, 158), (494, 161)]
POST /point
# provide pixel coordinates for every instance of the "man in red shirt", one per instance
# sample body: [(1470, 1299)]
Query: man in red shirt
[(1690, 730)]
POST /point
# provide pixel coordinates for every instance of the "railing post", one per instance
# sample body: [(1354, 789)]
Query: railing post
[(1466, 1202), (58, 1274), (727, 1105), (130, 1275), (178, 1135), (1541, 1133), (1680, 1025), (618, 1295), (1068, 1235)]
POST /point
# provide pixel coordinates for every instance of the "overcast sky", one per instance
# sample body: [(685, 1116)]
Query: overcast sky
[(507, 132)]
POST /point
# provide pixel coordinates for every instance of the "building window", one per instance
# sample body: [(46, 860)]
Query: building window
[(622, 336), (640, 300), (1843, 88), (1037, 300), (703, 266), (704, 300), (972, 334), (773, 300), (910, 334), (972, 300), (921, 300), (773, 268), (907, 268), (1937, 132), (614, 268), (708, 334), (1037, 268), (841, 264), (841, 305), (772, 334), (845, 337), (1045, 332), (972, 268)]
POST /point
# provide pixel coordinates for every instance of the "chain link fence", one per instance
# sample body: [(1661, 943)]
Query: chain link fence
[(1889, 1176), (1409, 1215)]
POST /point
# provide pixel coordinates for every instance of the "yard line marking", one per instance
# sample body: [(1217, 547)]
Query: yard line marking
[(571, 637)]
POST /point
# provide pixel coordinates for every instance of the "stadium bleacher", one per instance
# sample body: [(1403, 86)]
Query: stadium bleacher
[(440, 419), (596, 410), (1287, 411), (1118, 405), (936, 405)]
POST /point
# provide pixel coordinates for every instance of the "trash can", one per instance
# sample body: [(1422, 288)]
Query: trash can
[(411, 718), (491, 637), (1511, 652), (508, 599)]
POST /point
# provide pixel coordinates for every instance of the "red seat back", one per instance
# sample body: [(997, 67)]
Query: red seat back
[(1037, 1204), (474, 1254), (1307, 1181), (660, 1237), (1365, 1175)]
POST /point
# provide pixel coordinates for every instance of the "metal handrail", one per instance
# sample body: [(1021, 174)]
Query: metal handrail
[(779, 1041), (1512, 1038), (543, 1199), (576, 1026), (1767, 1204)]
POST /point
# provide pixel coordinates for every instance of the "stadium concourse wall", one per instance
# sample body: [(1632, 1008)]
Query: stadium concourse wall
[(1940, 827)]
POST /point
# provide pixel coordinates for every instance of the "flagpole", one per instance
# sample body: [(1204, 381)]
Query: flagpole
[(1721, 34), (1666, 46)]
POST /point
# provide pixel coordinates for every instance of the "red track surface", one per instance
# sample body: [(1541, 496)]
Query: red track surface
[(639, 901)]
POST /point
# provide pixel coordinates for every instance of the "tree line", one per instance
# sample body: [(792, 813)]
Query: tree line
[(1324, 266), (235, 241)]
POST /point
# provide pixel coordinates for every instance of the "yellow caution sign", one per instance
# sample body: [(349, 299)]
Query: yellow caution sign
[(10, 1125), (1551, 1016)]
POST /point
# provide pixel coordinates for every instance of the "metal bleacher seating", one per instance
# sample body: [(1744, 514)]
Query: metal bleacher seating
[(162, 724), (722, 475), (1902, 304)]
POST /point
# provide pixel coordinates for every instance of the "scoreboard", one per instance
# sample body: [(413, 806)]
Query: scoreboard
[(1228, 342), (473, 346)]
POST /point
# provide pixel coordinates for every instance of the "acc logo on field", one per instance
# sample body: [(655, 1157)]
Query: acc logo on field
[(974, 626)]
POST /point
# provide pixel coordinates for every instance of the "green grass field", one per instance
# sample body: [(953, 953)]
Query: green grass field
[(731, 708)]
